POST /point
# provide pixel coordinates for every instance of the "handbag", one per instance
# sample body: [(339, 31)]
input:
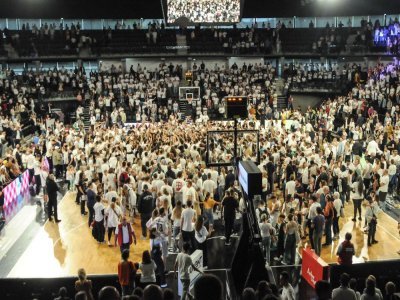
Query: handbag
[(118, 216), (297, 235), (342, 212)]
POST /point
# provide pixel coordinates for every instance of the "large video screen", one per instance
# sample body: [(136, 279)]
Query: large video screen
[(204, 11)]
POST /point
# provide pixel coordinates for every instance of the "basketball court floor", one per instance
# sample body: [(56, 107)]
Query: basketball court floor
[(31, 246)]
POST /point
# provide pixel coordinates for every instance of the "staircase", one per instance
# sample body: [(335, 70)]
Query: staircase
[(282, 94), (181, 43), (279, 86), (282, 102), (11, 51), (184, 108), (86, 115)]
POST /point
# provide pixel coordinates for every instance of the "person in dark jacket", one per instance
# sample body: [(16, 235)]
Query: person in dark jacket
[(62, 294), (357, 148), (52, 189), (229, 179), (270, 171), (229, 207), (346, 251), (91, 201), (145, 207)]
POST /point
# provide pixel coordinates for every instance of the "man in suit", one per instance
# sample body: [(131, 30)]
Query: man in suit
[(52, 189)]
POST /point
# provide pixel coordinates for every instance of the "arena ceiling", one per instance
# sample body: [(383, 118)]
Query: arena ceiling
[(132, 9)]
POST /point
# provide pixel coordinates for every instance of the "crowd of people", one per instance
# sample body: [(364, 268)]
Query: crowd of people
[(314, 163), (388, 36), (71, 39), (204, 11), (210, 287)]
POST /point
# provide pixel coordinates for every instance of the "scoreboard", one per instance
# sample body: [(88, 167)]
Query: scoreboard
[(236, 107)]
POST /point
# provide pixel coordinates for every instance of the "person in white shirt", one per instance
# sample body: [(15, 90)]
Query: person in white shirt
[(98, 226), (373, 148), (187, 229), (337, 205), (287, 289), (189, 193), (290, 187), (161, 224), (30, 164), (392, 176), (267, 232), (113, 214), (201, 234), (183, 266), (110, 195), (357, 194), (131, 199), (312, 213), (383, 189), (37, 172), (177, 186), (209, 185)]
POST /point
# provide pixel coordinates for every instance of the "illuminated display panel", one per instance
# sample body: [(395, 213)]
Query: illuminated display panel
[(204, 11)]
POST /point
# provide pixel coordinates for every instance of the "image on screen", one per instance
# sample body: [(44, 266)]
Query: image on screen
[(220, 148), (204, 11)]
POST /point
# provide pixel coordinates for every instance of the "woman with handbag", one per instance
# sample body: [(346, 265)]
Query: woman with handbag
[(126, 274)]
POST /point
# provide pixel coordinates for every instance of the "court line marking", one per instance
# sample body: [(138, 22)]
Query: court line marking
[(384, 229), (70, 230), (67, 232)]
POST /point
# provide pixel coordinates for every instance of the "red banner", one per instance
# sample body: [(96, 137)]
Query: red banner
[(313, 268)]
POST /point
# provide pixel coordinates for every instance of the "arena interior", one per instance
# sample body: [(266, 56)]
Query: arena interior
[(200, 149)]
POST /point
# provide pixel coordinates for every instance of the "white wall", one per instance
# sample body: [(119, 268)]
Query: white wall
[(106, 64), (248, 60), (210, 62), (152, 63)]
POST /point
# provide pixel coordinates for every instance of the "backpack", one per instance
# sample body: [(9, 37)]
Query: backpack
[(124, 177)]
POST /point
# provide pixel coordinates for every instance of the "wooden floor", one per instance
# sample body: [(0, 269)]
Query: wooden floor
[(387, 235), (61, 249)]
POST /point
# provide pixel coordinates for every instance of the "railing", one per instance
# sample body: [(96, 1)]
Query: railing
[(295, 22)]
